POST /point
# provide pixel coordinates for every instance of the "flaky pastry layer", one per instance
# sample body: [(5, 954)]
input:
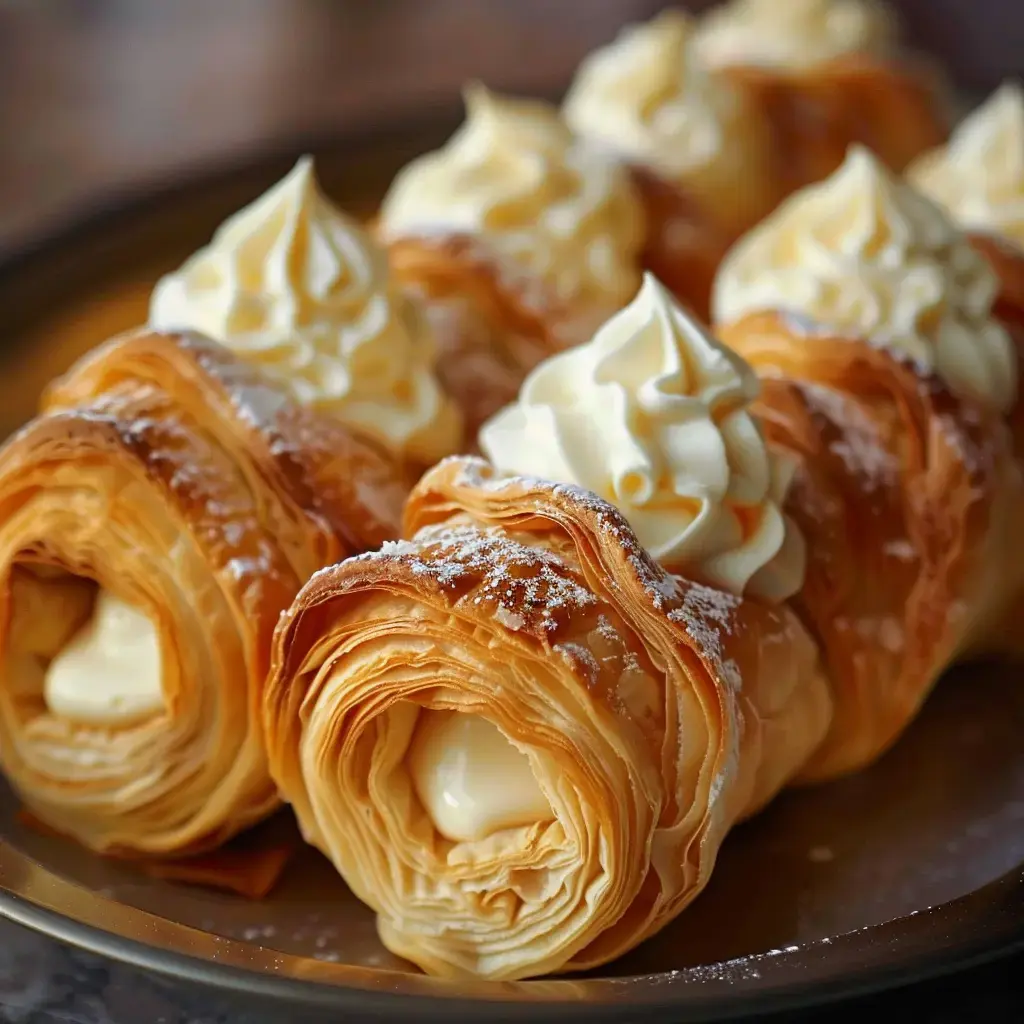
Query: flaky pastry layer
[(907, 499), (656, 712), (898, 110), (493, 323), (164, 470)]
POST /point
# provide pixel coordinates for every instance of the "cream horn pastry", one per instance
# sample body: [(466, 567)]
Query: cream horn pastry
[(699, 152), (293, 285), (155, 520), (517, 242), (521, 733), (871, 320), (825, 74)]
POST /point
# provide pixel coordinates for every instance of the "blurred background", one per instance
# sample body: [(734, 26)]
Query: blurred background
[(99, 98)]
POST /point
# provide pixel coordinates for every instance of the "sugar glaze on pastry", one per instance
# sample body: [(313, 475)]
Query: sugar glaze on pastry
[(646, 97), (294, 285), (793, 33), (652, 416), (978, 178), (110, 671), (864, 253), (514, 177)]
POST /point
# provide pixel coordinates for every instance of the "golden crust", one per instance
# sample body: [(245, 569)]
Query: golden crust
[(685, 242), (906, 497), (493, 324), (898, 110), (521, 601), (168, 472)]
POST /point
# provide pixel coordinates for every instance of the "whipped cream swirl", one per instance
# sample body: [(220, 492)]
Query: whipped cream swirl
[(864, 254), (294, 285), (652, 416), (514, 176), (794, 34), (978, 177), (647, 98)]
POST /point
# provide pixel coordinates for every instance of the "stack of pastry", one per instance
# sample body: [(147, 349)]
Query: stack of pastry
[(520, 703), (522, 732)]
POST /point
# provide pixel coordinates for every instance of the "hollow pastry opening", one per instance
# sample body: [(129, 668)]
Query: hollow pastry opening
[(81, 652), (470, 778)]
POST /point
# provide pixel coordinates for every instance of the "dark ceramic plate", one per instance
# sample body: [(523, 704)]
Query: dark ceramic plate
[(909, 869)]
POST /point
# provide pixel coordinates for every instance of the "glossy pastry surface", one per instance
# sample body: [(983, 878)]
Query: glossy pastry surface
[(154, 522)]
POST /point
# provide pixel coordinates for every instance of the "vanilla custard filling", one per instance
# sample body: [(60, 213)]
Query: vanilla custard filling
[(109, 673), (470, 779)]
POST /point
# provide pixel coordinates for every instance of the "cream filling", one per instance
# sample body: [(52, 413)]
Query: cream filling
[(470, 779), (109, 673)]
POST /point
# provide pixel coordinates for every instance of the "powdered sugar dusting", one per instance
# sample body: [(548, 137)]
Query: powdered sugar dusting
[(521, 580), (708, 615), (858, 443)]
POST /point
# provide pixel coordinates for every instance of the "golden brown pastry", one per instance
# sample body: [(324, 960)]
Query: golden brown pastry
[(515, 240), (699, 152), (872, 323), (522, 738), (292, 284), (155, 520), (824, 74)]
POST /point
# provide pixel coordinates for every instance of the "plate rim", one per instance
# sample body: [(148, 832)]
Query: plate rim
[(976, 927)]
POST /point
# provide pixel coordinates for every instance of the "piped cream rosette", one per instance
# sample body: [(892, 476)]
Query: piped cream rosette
[(515, 239), (700, 154), (295, 286), (518, 736), (155, 521)]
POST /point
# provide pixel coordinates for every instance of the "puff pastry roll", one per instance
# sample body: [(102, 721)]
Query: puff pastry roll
[(521, 738), (824, 74), (515, 240), (155, 520), (699, 152), (293, 285), (874, 327)]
